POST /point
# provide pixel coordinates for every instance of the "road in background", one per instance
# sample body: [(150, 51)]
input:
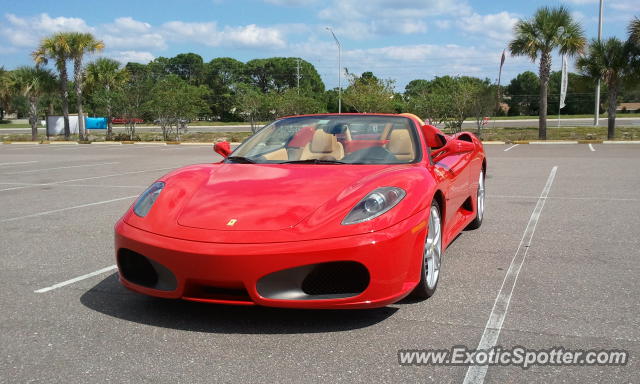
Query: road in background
[(528, 123)]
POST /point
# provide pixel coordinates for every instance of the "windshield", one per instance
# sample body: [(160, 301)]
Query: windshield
[(332, 139)]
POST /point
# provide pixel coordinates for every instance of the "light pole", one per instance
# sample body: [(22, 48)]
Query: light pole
[(339, 69), (596, 118)]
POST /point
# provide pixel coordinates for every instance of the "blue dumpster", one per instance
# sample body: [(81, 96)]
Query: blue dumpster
[(96, 122)]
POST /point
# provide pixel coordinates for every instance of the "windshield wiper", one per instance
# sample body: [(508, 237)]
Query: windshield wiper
[(313, 161), (240, 159)]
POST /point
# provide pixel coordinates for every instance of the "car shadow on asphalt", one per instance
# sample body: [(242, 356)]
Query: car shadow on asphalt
[(111, 298)]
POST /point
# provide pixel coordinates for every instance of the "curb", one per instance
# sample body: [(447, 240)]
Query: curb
[(493, 142), (106, 143), (64, 143), (195, 143), (554, 142), (621, 142), (146, 142)]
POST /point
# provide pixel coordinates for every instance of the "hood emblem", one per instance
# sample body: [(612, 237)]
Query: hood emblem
[(232, 222)]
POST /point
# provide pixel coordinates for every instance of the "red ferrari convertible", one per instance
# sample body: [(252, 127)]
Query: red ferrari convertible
[(315, 211)]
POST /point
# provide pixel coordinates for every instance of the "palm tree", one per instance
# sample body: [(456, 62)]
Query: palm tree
[(608, 60), (538, 37), (5, 91), (104, 79), (56, 47), (81, 43), (634, 32), (33, 82), (634, 46)]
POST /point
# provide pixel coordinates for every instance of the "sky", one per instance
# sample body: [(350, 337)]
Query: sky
[(395, 39)]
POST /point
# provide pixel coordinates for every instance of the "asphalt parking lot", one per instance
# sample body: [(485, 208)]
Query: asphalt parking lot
[(577, 286)]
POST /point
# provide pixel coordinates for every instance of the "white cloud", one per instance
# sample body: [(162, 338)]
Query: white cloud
[(209, 34), (131, 56), (253, 36), (498, 26), (27, 31), (128, 24), (128, 33), (626, 5), (362, 19)]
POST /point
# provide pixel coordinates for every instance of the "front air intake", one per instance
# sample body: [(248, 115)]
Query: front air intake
[(335, 278), (140, 270)]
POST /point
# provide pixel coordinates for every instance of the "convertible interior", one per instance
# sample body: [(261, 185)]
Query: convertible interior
[(339, 143)]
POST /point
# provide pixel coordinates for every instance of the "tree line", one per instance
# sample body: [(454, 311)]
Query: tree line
[(171, 92)]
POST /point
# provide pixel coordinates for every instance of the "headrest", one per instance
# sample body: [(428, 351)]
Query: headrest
[(336, 129), (400, 142), (303, 137), (322, 142)]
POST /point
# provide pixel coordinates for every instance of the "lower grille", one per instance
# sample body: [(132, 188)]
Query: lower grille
[(140, 270), (336, 278)]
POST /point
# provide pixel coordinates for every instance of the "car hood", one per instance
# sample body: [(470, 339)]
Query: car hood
[(250, 197)]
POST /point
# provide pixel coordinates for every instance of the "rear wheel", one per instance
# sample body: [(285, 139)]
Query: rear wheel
[(477, 222), (431, 256)]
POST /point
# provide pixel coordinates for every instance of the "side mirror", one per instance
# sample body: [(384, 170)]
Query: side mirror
[(223, 148), (463, 146), (431, 136), (452, 147)]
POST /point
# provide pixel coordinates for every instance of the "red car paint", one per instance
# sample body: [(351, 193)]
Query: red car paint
[(227, 225)]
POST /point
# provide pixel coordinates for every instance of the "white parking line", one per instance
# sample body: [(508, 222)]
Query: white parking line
[(26, 147), (65, 209), (76, 185), (76, 279), (475, 373), (17, 163), (66, 167), (591, 148), (513, 146), (88, 178), (563, 198)]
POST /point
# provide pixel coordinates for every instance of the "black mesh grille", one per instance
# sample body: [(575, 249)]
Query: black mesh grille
[(140, 270), (336, 278), (137, 268)]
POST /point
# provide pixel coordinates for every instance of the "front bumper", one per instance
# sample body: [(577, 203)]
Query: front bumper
[(267, 274)]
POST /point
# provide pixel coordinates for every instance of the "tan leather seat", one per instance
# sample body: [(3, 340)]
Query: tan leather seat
[(323, 145), (401, 145), (386, 131)]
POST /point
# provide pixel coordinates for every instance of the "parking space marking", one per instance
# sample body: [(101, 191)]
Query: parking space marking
[(89, 178), (65, 209), (565, 198), (475, 373), (17, 163), (76, 279), (66, 167), (591, 147), (74, 185), (26, 147), (513, 146)]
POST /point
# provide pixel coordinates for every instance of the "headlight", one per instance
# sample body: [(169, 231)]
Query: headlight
[(374, 204), (148, 197)]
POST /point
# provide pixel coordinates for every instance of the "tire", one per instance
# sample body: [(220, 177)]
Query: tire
[(477, 221), (431, 256)]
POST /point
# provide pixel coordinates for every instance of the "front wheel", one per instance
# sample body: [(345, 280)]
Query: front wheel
[(431, 256)]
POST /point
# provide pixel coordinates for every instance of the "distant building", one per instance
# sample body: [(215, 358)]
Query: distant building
[(628, 107)]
